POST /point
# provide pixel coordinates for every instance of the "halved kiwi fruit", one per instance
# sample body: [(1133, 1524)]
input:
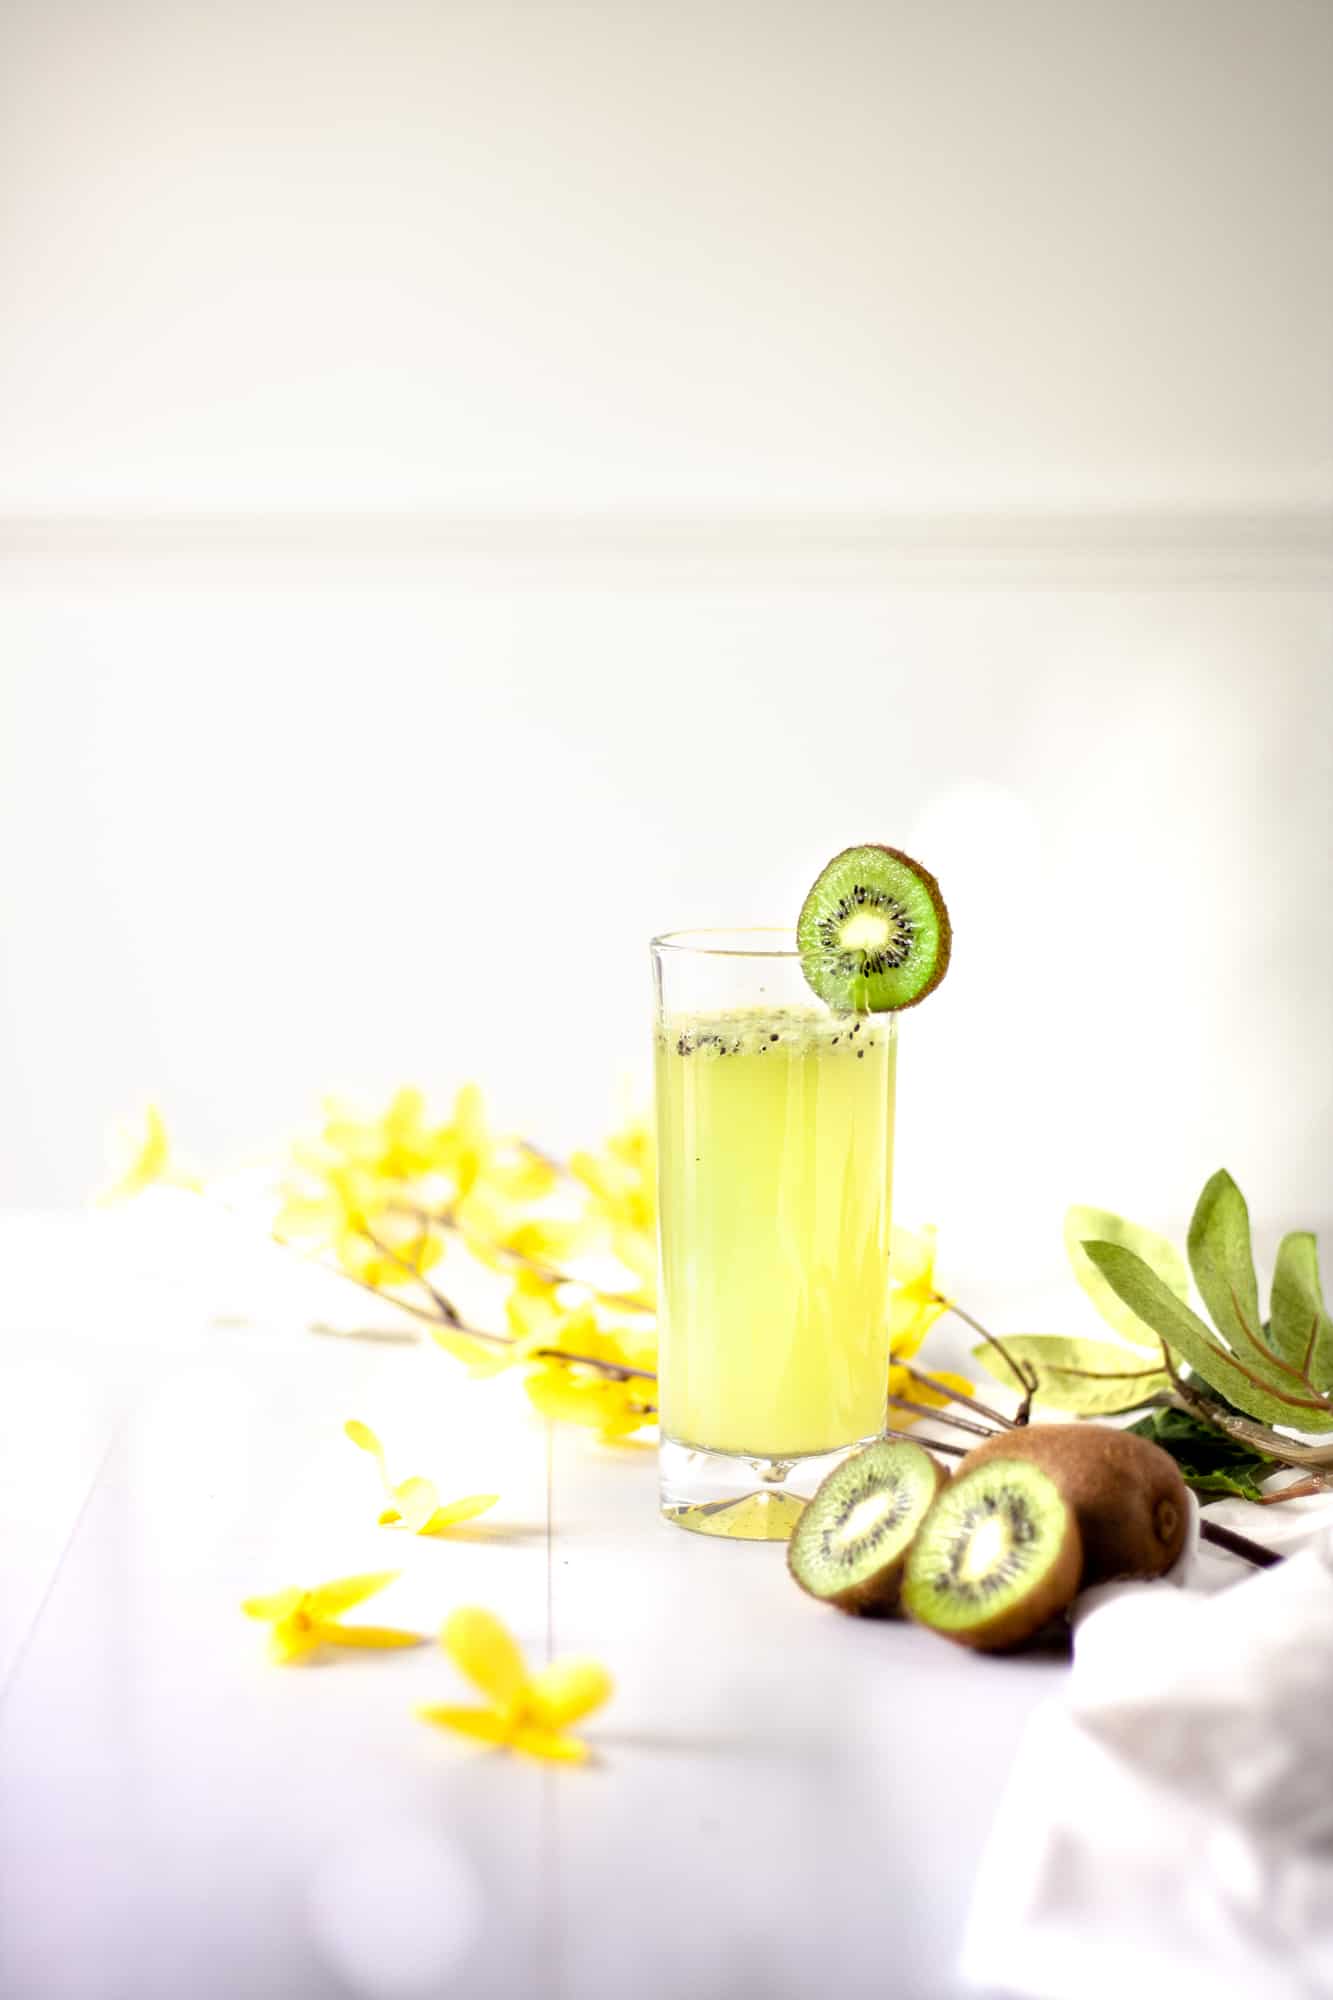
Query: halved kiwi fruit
[(1127, 1492), (997, 1556), (873, 932), (850, 1544)]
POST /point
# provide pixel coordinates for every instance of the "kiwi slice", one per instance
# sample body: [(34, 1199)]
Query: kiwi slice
[(998, 1555), (873, 932), (850, 1544), (1127, 1492)]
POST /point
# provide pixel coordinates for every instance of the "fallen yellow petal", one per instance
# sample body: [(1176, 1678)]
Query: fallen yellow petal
[(416, 1500), (458, 1511), (487, 1653), (362, 1435), (551, 1744), (488, 1725), (380, 1636), (292, 1639), (560, 1694), (330, 1600), (279, 1605)]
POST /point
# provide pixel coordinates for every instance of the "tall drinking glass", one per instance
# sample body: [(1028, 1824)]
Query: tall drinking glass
[(775, 1168)]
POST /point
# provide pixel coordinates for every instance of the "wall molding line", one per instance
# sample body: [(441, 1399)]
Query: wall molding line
[(1284, 544)]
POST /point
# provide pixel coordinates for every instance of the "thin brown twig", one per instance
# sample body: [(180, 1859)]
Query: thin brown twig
[(550, 1273), (1260, 1437), (943, 1416), (1239, 1545), (621, 1370), (1024, 1372), (958, 1396), (1300, 1489), (446, 1308), (929, 1444)]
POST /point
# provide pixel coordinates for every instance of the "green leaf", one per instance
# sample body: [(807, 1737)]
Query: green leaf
[(1223, 1264), (1208, 1461), (1104, 1227), (1285, 1402), (1108, 1378), (1298, 1309)]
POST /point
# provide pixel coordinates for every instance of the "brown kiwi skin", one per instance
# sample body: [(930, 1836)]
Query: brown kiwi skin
[(1127, 1492), (1024, 1620), (932, 888), (874, 1596)]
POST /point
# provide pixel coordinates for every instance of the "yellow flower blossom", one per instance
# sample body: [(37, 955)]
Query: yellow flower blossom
[(614, 1408), (142, 1158), (622, 1184), (914, 1303), (498, 1230), (470, 1153), (305, 1620), (525, 1711), (344, 1209), (914, 1306), (399, 1145), (415, 1503)]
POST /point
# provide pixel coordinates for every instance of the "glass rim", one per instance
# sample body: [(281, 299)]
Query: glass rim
[(719, 941)]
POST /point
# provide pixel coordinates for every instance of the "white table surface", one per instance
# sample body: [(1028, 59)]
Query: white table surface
[(784, 1802)]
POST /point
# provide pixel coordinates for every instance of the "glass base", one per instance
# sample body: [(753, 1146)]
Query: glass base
[(745, 1499)]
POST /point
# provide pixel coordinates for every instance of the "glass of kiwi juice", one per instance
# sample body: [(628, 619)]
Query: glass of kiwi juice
[(775, 1056)]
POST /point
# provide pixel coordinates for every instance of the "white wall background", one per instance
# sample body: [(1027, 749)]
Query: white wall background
[(482, 483)]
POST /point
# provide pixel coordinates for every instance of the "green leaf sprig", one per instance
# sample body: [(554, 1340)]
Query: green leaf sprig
[(1280, 1373), (1262, 1388)]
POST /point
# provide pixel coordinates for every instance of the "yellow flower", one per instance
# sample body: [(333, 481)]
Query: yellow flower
[(497, 1230), (142, 1158), (914, 1303), (344, 1209), (399, 1145), (304, 1620), (469, 1153), (415, 1502), (612, 1407), (622, 1185), (527, 1712), (914, 1306)]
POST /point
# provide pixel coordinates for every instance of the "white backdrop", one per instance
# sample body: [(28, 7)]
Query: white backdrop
[(484, 484)]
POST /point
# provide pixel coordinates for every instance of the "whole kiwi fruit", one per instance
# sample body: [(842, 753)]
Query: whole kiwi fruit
[(1126, 1492)]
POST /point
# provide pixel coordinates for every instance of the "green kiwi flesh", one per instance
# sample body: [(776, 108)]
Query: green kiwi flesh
[(1131, 1503), (873, 933), (850, 1544), (998, 1555)]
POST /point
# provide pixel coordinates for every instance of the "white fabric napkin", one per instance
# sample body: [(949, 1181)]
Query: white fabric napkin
[(1168, 1827)]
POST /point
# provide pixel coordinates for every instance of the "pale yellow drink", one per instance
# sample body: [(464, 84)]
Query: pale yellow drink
[(775, 1137)]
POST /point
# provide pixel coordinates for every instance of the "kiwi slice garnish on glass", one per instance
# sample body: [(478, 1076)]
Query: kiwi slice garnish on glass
[(850, 1544), (998, 1555), (873, 932)]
